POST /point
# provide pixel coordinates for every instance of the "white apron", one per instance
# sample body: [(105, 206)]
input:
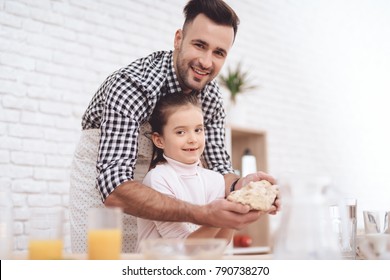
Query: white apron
[(84, 194)]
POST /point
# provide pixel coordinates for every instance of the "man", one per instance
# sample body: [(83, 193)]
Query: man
[(116, 120)]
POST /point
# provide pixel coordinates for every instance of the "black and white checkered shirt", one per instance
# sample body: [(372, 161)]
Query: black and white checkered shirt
[(126, 99)]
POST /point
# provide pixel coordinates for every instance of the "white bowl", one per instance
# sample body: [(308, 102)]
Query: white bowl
[(185, 249)]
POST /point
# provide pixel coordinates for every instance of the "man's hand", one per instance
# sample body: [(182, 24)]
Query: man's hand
[(254, 177), (225, 214)]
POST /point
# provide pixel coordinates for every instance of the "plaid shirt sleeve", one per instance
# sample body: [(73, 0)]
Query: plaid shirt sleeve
[(125, 109), (215, 153), (122, 103)]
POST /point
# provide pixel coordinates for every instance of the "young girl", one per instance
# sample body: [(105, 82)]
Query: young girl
[(179, 140)]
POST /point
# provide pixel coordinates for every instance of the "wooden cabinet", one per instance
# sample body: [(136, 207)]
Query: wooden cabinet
[(239, 139)]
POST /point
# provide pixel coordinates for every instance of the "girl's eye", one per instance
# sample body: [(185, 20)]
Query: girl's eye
[(199, 130), (180, 132)]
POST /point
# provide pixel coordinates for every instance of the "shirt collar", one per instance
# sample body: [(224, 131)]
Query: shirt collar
[(183, 168), (172, 83)]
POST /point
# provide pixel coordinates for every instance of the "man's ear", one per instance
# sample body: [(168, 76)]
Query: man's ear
[(157, 140), (178, 38)]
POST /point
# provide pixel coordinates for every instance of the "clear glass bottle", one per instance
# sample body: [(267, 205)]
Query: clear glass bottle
[(305, 230)]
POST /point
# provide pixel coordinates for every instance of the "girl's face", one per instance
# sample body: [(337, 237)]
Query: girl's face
[(183, 136)]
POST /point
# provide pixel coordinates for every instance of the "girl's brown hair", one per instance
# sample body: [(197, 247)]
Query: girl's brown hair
[(159, 118)]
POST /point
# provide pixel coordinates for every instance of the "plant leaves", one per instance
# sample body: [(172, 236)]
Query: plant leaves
[(236, 81)]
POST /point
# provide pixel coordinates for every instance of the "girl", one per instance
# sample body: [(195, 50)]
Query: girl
[(178, 142)]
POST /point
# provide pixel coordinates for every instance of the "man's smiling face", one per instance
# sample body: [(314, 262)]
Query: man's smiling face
[(200, 52)]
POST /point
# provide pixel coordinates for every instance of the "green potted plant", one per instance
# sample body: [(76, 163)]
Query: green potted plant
[(236, 81)]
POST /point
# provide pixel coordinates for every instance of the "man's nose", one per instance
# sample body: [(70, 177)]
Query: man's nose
[(206, 60)]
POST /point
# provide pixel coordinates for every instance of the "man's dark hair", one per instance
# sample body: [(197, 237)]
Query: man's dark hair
[(216, 10)]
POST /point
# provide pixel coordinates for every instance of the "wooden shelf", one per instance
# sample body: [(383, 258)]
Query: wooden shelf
[(238, 140)]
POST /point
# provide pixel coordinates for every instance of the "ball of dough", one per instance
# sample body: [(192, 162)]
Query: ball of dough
[(258, 195)]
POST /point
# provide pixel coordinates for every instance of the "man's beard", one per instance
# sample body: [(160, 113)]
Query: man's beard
[(185, 78)]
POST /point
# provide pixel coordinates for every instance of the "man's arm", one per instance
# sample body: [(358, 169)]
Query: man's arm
[(139, 200)]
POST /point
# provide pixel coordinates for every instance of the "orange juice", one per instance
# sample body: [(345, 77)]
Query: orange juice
[(45, 249), (104, 244)]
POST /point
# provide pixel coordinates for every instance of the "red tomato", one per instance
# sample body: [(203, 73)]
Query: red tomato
[(242, 241)]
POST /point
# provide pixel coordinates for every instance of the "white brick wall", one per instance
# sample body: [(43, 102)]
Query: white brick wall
[(315, 63), (53, 56)]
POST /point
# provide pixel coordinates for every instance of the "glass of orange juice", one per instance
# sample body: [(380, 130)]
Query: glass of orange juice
[(46, 236), (105, 233)]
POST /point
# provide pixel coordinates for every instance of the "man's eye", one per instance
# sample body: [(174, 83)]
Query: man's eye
[(180, 132), (200, 46), (220, 54)]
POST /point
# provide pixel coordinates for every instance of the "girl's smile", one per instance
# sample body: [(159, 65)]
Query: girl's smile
[(183, 137)]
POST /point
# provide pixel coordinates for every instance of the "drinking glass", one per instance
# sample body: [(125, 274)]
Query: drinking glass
[(46, 234), (343, 216), (104, 233), (376, 221), (376, 241)]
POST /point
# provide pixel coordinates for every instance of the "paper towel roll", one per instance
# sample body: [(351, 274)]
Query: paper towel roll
[(248, 163)]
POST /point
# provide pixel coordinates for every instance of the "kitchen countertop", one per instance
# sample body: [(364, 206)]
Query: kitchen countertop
[(67, 256)]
